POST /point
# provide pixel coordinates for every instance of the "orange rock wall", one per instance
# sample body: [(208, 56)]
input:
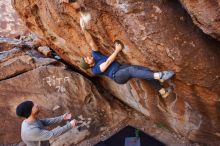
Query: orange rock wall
[(157, 34)]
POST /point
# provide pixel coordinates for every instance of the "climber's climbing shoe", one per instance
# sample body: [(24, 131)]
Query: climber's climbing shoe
[(168, 91), (165, 75)]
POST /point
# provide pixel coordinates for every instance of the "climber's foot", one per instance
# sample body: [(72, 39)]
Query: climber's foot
[(165, 75), (166, 92)]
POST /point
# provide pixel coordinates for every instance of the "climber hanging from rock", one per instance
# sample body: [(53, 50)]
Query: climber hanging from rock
[(120, 73)]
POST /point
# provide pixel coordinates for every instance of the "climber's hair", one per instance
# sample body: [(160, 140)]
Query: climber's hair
[(83, 64), (119, 42)]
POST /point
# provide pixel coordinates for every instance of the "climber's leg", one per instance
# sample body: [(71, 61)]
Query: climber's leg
[(141, 72), (145, 73), (126, 72), (122, 75)]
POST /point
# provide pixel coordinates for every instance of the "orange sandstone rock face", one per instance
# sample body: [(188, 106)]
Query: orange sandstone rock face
[(26, 75), (205, 14), (157, 34), (10, 24)]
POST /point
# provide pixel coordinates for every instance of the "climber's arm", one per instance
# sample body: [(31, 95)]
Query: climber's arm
[(109, 61), (90, 40)]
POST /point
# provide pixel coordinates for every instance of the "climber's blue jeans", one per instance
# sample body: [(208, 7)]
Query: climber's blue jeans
[(126, 72)]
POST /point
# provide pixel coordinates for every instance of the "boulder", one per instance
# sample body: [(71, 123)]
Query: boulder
[(45, 50), (56, 90), (10, 24), (205, 14), (156, 34), (8, 43)]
